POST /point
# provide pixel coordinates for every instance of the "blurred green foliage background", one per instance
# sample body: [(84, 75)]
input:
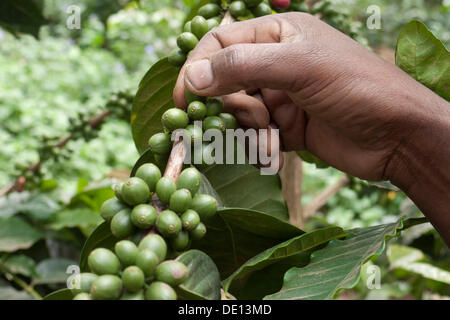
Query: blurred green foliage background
[(45, 81)]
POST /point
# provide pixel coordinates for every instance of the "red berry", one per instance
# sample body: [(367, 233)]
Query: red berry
[(281, 4)]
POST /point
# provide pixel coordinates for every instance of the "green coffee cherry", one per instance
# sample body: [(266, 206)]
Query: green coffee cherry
[(126, 251), (160, 143), (190, 219), (168, 224), (205, 205), (164, 189), (134, 296), (82, 296), (143, 216), (187, 41), (213, 122), (133, 279), (187, 26), (189, 179), (181, 241), (177, 58), (214, 106), (155, 243), (175, 118), (147, 260), (299, 6), (180, 200), (194, 132), (229, 120), (135, 191), (262, 9), (103, 261), (118, 190), (106, 287), (212, 23), (199, 232), (252, 3), (209, 10), (160, 291), (199, 26), (121, 225), (237, 9), (190, 97), (196, 110), (171, 272), (150, 173), (83, 282), (110, 208)]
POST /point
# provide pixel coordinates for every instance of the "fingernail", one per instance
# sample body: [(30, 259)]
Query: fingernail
[(200, 74)]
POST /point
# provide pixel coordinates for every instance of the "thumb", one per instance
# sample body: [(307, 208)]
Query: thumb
[(247, 66)]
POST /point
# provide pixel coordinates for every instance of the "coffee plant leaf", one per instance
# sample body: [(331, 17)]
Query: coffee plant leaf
[(20, 264), (8, 292), (195, 5), (242, 186), (310, 158), (412, 260), (62, 294), (92, 197), (337, 266), (424, 57), (53, 270), (154, 96), (16, 234), (21, 16), (235, 235), (284, 251), (100, 237), (203, 282), (76, 218)]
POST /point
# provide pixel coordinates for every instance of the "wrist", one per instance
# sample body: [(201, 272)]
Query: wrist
[(420, 165)]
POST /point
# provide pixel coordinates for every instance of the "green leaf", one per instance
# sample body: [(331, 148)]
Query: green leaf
[(53, 270), (235, 235), (407, 258), (20, 264), (195, 5), (424, 57), (243, 186), (38, 206), (63, 294), (76, 218), (337, 266), (283, 251), (21, 16), (100, 237), (146, 157), (92, 197), (16, 233), (203, 282), (10, 293), (153, 97)]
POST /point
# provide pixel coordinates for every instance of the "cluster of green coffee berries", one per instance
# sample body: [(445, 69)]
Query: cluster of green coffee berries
[(131, 272), (132, 209), (141, 271), (208, 111)]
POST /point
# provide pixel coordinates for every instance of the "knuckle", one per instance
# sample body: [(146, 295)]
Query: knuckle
[(232, 59)]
